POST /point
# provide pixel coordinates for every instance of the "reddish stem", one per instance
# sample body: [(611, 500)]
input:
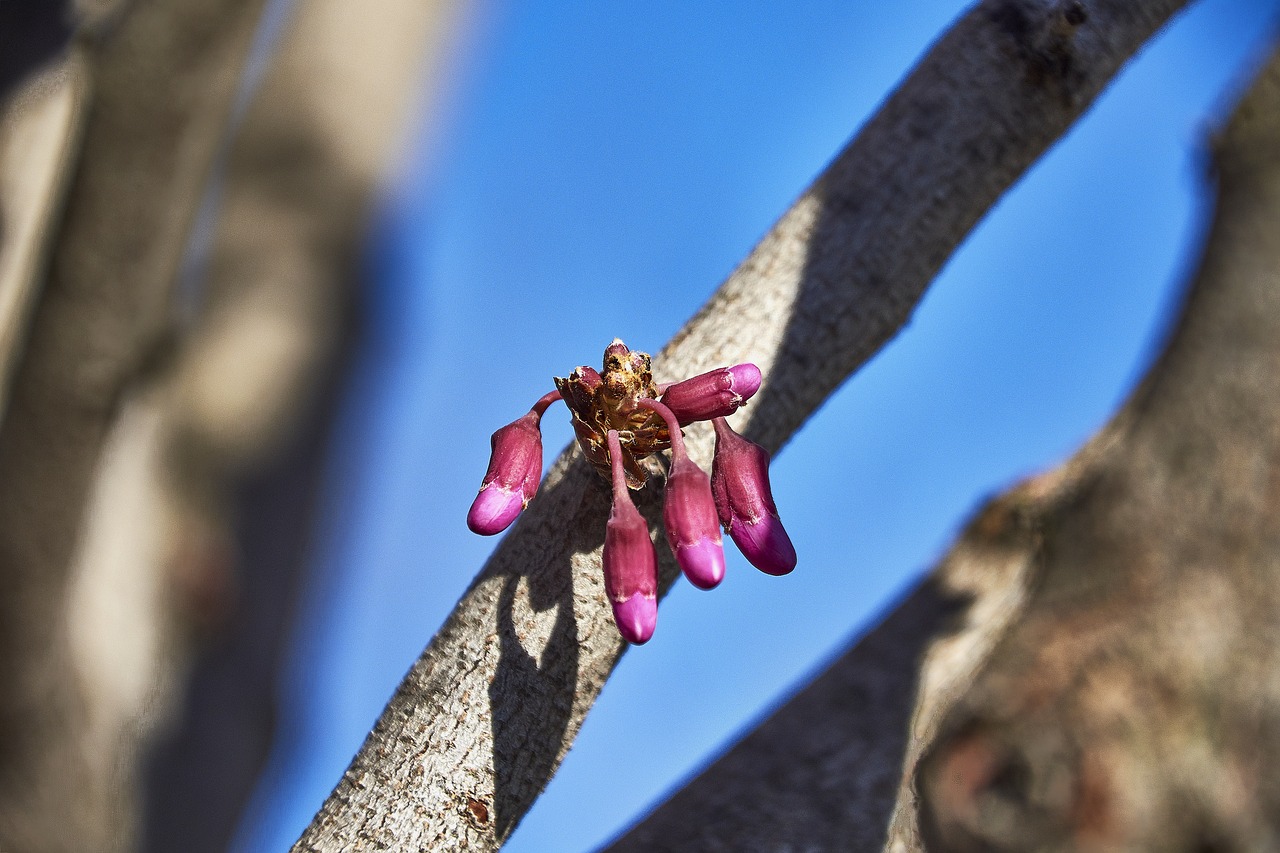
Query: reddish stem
[(544, 401), (615, 462), (673, 425)]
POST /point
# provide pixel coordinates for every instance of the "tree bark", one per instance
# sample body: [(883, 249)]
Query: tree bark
[(485, 716), (99, 320), (1134, 705), (40, 125), (1109, 685), (255, 386), (149, 408)]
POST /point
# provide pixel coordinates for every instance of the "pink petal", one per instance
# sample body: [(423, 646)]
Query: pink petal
[(636, 618), (494, 509)]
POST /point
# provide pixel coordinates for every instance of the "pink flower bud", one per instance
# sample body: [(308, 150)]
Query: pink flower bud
[(689, 514), (630, 566), (579, 390), (712, 395), (693, 530), (617, 349), (515, 468), (740, 482)]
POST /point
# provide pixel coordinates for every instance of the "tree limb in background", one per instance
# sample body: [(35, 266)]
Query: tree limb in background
[(162, 77), (245, 435), (823, 771), (487, 713), (40, 124), (157, 433), (1134, 704), (1111, 685)]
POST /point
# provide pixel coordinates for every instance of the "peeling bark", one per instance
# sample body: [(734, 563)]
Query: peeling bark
[(485, 716)]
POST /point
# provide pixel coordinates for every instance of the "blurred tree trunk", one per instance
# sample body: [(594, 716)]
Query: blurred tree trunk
[(151, 415), (1110, 683), (1133, 704), (161, 76), (280, 289)]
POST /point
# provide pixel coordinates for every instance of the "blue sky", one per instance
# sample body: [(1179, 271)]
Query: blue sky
[(600, 168)]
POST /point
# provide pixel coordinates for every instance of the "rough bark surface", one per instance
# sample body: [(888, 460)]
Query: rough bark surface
[(1110, 683), (487, 713)]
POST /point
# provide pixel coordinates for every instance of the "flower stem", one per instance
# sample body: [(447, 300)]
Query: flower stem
[(615, 462), (544, 401), (673, 425)]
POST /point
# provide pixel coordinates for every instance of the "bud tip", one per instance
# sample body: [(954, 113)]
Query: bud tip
[(746, 379), (494, 509), (765, 544), (636, 618), (702, 562)]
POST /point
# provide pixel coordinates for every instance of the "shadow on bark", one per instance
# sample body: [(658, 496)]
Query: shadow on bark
[(516, 763), (872, 284), (32, 32), (532, 695)]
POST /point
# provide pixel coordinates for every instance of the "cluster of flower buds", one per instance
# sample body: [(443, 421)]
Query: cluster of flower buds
[(620, 417)]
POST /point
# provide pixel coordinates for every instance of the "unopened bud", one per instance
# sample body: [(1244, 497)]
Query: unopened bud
[(689, 513), (579, 390), (693, 530), (630, 566), (714, 394), (515, 468), (744, 501)]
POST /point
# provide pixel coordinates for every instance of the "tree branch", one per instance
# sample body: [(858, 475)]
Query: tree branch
[(484, 717), (131, 191), (40, 127), (245, 434), (1133, 706), (1104, 690)]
